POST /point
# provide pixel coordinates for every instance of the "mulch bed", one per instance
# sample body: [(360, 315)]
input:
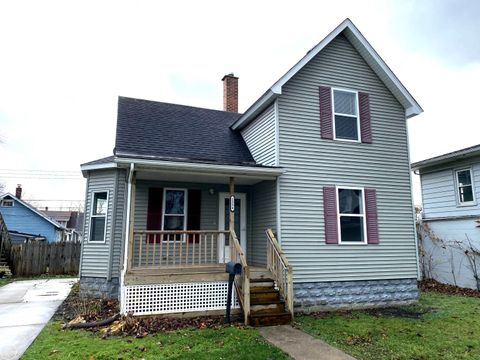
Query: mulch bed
[(78, 307), (435, 286)]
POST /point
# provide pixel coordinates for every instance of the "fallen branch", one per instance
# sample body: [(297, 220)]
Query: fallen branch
[(92, 324)]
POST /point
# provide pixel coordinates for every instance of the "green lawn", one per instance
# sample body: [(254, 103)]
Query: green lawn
[(5, 281), (225, 343), (439, 327)]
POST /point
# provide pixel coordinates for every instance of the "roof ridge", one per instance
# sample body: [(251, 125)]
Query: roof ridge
[(180, 105)]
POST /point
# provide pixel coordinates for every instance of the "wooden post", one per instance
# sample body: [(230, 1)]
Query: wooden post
[(232, 213), (131, 238)]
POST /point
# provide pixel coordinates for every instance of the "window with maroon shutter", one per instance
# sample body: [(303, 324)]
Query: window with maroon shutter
[(326, 120), (372, 217), (365, 122), (194, 213), (154, 212), (330, 215)]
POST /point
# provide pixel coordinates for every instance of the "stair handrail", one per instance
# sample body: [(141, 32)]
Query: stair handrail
[(242, 282), (279, 266), (5, 241)]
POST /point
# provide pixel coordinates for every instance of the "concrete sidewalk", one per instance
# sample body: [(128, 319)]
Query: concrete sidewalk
[(300, 345), (25, 308)]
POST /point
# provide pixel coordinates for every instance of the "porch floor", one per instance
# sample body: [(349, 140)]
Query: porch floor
[(163, 275)]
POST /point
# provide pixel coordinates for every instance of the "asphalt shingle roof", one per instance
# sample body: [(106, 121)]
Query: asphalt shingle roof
[(177, 132)]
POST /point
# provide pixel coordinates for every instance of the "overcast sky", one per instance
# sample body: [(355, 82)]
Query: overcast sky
[(64, 63)]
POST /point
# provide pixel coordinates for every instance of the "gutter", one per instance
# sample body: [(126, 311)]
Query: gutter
[(127, 232), (202, 167)]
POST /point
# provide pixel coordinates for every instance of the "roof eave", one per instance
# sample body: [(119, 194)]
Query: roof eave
[(258, 106), (443, 159)]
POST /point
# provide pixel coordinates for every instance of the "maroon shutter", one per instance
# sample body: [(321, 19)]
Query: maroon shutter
[(365, 122), (326, 120), (193, 212), (154, 214), (330, 215), (371, 214)]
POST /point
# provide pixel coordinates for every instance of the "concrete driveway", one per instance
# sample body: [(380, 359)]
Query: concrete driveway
[(25, 308)]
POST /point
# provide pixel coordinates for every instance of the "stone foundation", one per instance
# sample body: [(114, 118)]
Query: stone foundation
[(100, 287), (324, 296)]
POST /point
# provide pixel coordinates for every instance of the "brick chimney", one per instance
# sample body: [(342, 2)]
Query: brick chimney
[(230, 93), (18, 191)]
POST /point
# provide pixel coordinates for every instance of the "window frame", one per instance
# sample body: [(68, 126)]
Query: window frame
[(185, 212), (97, 216), (10, 201), (363, 214), (457, 188), (334, 113)]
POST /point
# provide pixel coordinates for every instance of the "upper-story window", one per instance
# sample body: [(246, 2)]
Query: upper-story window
[(98, 218), (345, 115), (7, 203), (465, 190)]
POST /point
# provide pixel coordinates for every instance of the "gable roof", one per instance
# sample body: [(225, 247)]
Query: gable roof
[(448, 157), (158, 130), (358, 41), (30, 207)]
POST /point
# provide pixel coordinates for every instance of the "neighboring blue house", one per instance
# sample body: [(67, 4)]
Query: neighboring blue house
[(451, 213), (25, 222)]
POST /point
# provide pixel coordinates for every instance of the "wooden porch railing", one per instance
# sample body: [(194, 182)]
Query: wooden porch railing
[(177, 249), (278, 265), (242, 282)]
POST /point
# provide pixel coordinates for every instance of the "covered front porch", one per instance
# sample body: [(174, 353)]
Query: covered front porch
[(185, 225)]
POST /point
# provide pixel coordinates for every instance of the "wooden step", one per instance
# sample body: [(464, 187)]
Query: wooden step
[(269, 308), (283, 318), (258, 297)]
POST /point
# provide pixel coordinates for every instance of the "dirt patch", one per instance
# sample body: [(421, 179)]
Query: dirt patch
[(401, 311), (80, 308), (435, 286)]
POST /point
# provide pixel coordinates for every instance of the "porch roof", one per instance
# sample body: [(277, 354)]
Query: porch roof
[(149, 169)]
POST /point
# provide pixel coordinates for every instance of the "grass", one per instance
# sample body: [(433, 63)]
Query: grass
[(5, 281), (439, 327), (226, 343)]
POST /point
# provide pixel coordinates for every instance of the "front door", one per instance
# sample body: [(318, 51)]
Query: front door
[(240, 222)]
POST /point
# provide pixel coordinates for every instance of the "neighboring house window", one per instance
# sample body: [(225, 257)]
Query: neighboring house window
[(345, 114), (7, 203), (98, 218), (174, 209), (465, 187), (351, 215)]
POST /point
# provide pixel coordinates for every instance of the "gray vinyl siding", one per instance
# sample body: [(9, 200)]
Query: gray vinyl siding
[(264, 210), (119, 224), (312, 163), (260, 137), (96, 255), (439, 190)]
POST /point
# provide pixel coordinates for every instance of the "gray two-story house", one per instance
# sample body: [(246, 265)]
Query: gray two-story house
[(451, 217), (309, 190)]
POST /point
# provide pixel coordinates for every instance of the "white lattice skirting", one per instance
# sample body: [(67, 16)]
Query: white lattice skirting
[(178, 297)]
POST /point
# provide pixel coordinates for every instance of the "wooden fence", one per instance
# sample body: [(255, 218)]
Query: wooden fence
[(37, 258)]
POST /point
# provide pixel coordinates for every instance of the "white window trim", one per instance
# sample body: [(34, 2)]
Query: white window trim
[(9, 201), (364, 215), (96, 216), (185, 211), (347, 115), (457, 187)]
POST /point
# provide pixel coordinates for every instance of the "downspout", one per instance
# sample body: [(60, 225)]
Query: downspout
[(85, 219), (114, 223), (127, 232)]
